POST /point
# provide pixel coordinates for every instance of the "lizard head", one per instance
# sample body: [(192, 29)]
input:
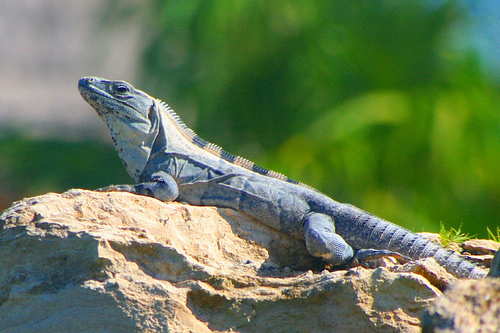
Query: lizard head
[(131, 116)]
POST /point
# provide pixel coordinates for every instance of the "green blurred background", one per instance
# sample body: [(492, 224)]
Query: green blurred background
[(388, 105)]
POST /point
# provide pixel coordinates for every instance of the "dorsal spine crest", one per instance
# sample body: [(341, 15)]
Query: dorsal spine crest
[(217, 150)]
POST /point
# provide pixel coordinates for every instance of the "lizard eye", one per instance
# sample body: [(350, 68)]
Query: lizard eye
[(121, 89)]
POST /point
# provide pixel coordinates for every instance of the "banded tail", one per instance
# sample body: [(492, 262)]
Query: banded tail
[(363, 230)]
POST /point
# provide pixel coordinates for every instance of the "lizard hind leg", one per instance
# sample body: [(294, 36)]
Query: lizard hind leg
[(322, 241)]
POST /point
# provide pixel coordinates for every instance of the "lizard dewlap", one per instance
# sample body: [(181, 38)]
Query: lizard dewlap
[(169, 161)]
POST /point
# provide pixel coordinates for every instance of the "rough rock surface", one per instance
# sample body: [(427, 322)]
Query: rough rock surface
[(86, 261), (468, 306), (481, 246)]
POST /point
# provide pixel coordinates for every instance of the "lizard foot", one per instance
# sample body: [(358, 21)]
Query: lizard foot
[(117, 188), (365, 257), (162, 187)]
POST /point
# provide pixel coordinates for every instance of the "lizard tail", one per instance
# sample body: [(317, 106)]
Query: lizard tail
[(450, 260), (368, 231)]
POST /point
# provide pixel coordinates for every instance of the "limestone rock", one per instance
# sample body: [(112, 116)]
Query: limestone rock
[(431, 270), (431, 236), (481, 246), (86, 261), (468, 306)]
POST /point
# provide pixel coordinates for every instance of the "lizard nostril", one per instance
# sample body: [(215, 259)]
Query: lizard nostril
[(84, 81)]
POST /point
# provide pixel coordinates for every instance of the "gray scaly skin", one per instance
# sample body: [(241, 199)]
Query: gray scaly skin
[(169, 161)]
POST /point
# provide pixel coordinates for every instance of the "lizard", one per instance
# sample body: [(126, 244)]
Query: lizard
[(169, 161)]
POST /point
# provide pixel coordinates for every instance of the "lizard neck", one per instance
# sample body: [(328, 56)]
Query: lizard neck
[(134, 141)]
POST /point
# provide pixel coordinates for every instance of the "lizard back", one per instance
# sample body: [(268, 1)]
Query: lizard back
[(218, 151)]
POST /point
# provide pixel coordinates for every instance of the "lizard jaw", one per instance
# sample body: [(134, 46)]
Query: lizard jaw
[(89, 91)]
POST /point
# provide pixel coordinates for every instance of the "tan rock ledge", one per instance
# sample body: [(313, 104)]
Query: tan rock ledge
[(86, 261)]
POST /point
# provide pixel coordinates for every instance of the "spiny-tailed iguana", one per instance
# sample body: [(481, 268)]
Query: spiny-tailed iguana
[(169, 161)]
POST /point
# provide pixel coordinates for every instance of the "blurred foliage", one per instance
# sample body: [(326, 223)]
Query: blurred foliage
[(494, 234), (372, 102), (32, 166)]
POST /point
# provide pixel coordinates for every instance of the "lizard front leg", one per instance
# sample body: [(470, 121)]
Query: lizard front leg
[(161, 186)]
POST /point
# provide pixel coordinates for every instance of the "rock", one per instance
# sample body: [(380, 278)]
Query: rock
[(431, 236), (481, 246), (468, 306), (87, 261), (431, 270)]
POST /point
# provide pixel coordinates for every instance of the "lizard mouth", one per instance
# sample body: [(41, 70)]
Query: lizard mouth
[(93, 95)]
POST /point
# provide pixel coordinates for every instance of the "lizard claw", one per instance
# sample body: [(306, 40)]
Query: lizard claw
[(364, 256), (116, 188)]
